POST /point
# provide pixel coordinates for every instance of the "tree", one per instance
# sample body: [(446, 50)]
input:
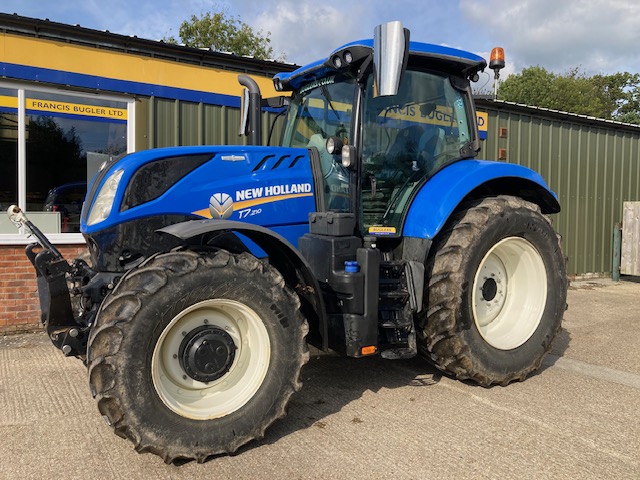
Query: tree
[(223, 33), (622, 91), (531, 87), (612, 97)]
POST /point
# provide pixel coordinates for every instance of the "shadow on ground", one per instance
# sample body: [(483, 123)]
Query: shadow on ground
[(331, 382)]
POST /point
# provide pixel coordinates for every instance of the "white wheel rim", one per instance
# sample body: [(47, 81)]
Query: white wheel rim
[(509, 293), (199, 400)]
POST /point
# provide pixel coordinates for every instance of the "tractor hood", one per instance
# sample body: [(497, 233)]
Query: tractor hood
[(261, 185)]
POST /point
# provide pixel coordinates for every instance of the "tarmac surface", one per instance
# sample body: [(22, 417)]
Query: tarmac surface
[(577, 418)]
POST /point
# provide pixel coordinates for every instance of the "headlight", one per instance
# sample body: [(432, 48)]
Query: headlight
[(334, 145), (101, 207)]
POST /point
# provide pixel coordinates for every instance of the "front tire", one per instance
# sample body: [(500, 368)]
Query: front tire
[(496, 293), (195, 355)]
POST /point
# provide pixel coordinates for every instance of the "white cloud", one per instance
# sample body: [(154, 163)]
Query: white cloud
[(307, 30), (597, 35), (600, 36)]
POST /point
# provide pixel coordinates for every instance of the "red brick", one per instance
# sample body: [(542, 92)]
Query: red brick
[(19, 303)]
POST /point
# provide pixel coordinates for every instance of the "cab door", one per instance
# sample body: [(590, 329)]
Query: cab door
[(406, 138)]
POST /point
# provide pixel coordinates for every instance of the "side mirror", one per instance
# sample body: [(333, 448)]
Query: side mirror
[(390, 54), (276, 102)]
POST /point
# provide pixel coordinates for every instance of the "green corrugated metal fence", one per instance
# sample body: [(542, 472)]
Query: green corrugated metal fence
[(593, 165), (162, 122)]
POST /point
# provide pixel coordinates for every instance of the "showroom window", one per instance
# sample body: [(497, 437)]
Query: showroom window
[(8, 148), (51, 145)]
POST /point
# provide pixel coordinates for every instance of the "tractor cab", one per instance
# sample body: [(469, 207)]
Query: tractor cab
[(378, 144), (379, 118)]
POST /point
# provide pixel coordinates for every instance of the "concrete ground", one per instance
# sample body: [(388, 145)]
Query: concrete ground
[(579, 417)]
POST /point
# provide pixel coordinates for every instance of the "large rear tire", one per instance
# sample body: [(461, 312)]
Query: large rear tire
[(195, 355), (496, 292)]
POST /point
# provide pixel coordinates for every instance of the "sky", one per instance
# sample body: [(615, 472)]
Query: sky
[(597, 36)]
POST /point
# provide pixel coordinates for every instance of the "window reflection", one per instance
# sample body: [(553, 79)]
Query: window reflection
[(8, 148), (407, 138), (67, 138)]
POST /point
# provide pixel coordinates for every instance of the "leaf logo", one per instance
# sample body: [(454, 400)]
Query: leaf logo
[(220, 206)]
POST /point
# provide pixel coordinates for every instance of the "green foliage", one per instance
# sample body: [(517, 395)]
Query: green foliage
[(612, 97), (223, 33)]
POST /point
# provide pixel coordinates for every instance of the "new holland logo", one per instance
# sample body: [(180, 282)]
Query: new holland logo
[(220, 206)]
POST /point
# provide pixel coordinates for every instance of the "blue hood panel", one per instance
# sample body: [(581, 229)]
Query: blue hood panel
[(266, 186)]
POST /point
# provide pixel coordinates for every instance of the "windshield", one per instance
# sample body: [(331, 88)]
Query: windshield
[(407, 138), (318, 110)]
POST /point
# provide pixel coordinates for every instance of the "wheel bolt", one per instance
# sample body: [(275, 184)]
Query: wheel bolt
[(206, 321), (175, 355), (184, 377)]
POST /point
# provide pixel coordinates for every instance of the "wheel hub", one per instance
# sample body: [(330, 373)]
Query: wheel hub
[(489, 289), (491, 293), (207, 353)]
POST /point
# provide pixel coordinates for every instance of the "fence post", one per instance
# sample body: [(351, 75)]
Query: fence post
[(617, 242)]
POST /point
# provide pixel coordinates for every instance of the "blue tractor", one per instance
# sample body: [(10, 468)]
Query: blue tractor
[(371, 230)]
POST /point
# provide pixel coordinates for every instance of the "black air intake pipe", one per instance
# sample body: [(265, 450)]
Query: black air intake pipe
[(254, 110)]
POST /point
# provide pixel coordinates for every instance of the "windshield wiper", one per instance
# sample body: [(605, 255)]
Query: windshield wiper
[(327, 95)]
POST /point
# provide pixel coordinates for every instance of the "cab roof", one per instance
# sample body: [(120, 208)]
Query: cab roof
[(445, 58)]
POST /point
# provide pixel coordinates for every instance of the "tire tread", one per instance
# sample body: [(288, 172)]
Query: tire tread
[(439, 332), (120, 308)]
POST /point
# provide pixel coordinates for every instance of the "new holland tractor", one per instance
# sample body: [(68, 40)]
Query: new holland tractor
[(371, 230)]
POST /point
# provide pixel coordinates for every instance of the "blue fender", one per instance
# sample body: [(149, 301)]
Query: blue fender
[(440, 196)]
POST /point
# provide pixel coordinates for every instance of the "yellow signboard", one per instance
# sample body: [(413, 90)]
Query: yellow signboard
[(11, 102), (76, 109), (483, 124), (483, 121), (441, 115), (53, 106)]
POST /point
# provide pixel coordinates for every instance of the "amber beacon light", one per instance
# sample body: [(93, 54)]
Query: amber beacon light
[(497, 59), (496, 63)]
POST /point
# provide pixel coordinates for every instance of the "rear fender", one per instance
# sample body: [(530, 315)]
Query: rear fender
[(469, 179), (282, 255)]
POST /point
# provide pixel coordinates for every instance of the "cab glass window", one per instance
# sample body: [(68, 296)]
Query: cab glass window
[(321, 109), (406, 139)]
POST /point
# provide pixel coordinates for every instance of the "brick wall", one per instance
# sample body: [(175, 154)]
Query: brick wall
[(19, 304)]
